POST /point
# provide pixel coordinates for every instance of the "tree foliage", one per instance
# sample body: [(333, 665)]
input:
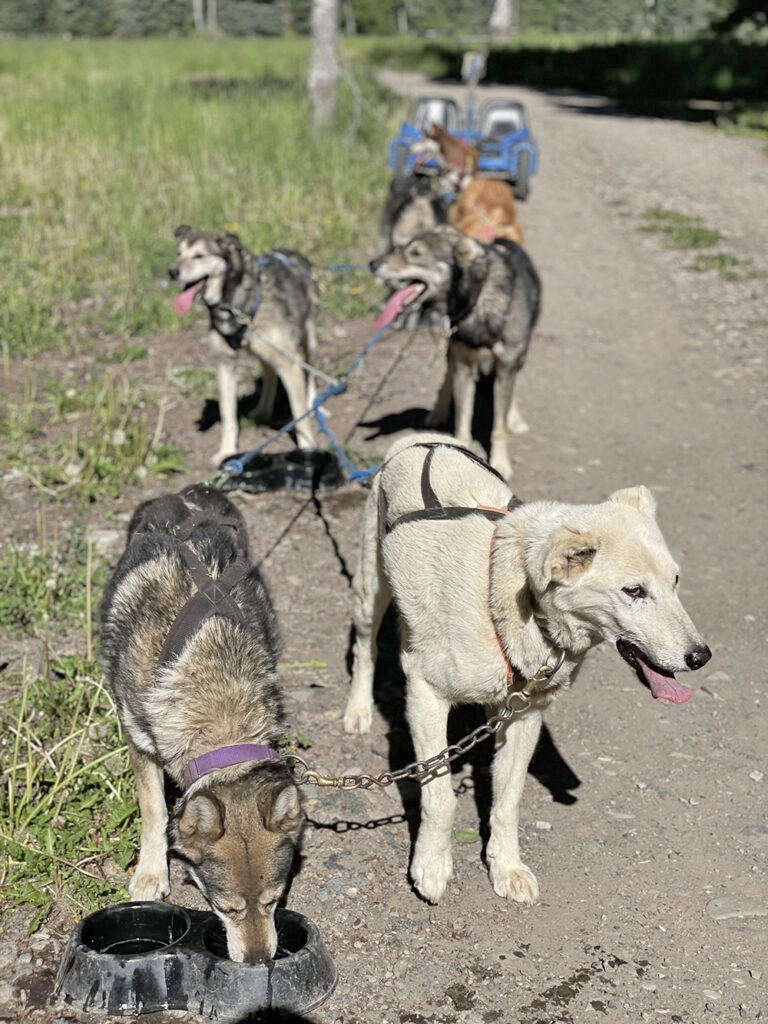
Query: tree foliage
[(645, 18)]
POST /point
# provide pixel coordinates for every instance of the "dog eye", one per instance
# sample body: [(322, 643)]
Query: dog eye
[(677, 579), (230, 911), (269, 906), (636, 592)]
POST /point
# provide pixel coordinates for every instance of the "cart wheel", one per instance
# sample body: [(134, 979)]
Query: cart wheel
[(522, 181), (401, 161)]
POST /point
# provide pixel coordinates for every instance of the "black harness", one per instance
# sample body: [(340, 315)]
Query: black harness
[(212, 596), (433, 510), (235, 340)]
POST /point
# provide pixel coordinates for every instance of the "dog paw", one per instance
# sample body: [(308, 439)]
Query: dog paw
[(149, 885), (431, 874), (517, 425), (358, 718), (518, 883), (221, 455)]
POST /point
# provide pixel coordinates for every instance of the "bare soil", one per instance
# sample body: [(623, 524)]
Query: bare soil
[(644, 822)]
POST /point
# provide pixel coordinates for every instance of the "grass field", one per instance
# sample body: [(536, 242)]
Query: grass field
[(108, 145)]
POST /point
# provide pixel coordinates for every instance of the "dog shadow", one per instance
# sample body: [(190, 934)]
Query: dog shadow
[(393, 423), (415, 419), (547, 765), (247, 405)]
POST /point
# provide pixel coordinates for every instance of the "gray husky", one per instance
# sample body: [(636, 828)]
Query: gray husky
[(412, 207), (190, 644), (492, 297), (263, 305)]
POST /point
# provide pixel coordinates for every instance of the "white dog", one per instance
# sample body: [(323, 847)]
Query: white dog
[(490, 592)]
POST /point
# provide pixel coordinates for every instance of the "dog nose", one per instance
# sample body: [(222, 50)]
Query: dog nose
[(374, 265), (697, 657), (173, 273)]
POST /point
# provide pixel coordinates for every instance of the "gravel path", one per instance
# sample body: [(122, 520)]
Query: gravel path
[(645, 823)]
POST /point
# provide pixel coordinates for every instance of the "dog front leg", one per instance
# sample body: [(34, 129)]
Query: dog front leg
[(441, 412), (150, 880), (514, 750), (432, 863), (226, 372), (463, 400)]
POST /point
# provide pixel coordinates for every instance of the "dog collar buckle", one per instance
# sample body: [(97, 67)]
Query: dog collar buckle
[(226, 757)]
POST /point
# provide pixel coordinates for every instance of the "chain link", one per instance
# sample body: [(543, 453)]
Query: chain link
[(516, 703)]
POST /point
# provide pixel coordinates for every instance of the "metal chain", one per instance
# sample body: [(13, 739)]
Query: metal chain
[(516, 703)]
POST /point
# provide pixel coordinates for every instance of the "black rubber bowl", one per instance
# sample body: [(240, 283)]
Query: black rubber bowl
[(137, 958)]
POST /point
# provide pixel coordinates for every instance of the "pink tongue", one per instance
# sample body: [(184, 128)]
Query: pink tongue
[(183, 301), (663, 684), (395, 303)]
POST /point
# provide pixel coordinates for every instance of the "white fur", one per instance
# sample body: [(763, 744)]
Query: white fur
[(459, 596)]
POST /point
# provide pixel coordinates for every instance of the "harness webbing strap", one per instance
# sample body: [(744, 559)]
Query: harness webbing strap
[(212, 596), (433, 511)]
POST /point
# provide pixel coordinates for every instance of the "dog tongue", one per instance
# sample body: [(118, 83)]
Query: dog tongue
[(395, 303), (663, 684), (183, 301)]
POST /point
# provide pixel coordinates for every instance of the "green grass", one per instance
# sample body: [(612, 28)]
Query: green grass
[(731, 268), (109, 145), (68, 818), (47, 585), (112, 434), (680, 230)]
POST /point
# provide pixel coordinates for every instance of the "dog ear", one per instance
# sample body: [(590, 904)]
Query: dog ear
[(639, 498), (280, 807), (232, 249), (229, 241), (567, 555), (183, 231), (200, 824)]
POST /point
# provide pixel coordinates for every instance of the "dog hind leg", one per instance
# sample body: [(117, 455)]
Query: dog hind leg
[(371, 599), (514, 749), (151, 880), (515, 422), (263, 411), (503, 395), (427, 713), (293, 378)]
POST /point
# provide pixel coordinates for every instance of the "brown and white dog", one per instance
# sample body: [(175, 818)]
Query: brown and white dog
[(484, 207), (190, 644), (264, 305)]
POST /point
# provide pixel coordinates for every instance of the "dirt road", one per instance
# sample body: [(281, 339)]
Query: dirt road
[(644, 822)]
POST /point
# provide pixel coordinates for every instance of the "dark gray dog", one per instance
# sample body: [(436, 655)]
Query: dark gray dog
[(492, 297), (412, 207), (264, 305), (190, 644)]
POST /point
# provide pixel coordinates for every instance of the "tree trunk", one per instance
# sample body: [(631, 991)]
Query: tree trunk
[(197, 15), (323, 64), (212, 18), (500, 23)]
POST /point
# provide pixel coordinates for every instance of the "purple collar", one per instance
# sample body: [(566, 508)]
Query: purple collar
[(225, 757)]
